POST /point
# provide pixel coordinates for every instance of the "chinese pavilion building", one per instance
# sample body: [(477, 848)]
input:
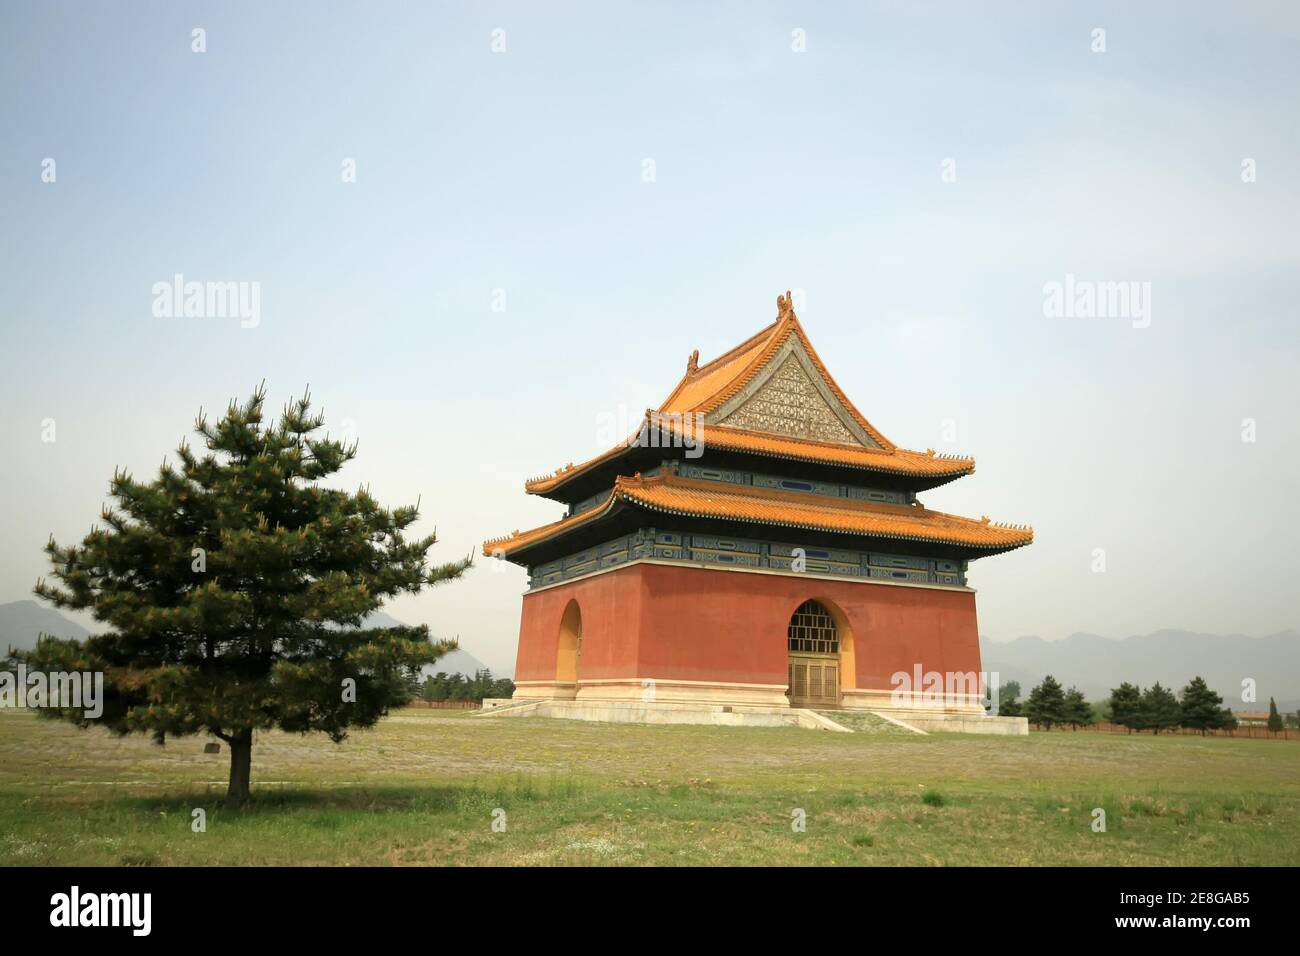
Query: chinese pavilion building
[(756, 541)]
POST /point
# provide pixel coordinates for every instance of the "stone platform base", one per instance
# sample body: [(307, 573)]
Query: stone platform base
[(962, 723), (738, 715), (664, 712)]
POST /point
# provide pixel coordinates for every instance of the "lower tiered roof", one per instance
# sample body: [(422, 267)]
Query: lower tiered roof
[(667, 426), (671, 494)]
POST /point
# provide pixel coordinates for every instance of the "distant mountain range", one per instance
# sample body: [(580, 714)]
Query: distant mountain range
[(457, 662), (22, 622), (1096, 664)]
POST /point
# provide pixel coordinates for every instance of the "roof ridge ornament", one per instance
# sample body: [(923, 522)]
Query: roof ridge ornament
[(784, 304), (693, 363)]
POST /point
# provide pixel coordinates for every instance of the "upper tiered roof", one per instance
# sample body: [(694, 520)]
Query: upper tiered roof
[(772, 396), (707, 389)]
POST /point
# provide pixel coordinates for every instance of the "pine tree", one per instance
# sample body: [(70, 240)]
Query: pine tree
[(1274, 718), (1126, 706), (1160, 710), (1078, 712), (234, 585), (439, 686), (1202, 708), (459, 687), (1046, 704)]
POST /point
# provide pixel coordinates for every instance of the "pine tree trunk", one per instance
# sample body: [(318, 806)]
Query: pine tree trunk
[(241, 766)]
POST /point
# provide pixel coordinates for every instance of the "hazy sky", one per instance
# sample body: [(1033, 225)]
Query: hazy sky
[(825, 171)]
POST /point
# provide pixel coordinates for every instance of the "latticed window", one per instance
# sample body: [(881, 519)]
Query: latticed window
[(812, 629)]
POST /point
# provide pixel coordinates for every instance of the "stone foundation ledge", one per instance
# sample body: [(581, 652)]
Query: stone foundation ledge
[(959, 723), (892, 702), (666, 712), (744, 715)]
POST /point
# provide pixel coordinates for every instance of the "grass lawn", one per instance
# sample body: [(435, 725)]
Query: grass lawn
[(423, 787)]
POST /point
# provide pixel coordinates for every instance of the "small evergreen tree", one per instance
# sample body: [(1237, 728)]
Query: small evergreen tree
[(1202, 709), (438, 691), (1160, 710), (1009, 704), (1078, 712), (411, 686), (233, 587), (1274, 718), (1125, 706), (1046, 704), (459, 687)]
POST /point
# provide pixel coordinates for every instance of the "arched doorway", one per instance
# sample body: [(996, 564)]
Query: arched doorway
[(813, 643), (569, 651)]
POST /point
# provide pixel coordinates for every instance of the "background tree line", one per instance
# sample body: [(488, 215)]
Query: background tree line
[(1156, 708), (442, 686)]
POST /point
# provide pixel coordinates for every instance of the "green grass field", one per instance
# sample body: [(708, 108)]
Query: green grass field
[(422, 788)]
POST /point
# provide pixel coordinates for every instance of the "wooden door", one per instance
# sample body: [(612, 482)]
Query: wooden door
[(814, 680)]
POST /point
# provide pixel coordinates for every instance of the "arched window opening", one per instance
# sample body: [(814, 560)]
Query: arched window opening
[(812, 629)]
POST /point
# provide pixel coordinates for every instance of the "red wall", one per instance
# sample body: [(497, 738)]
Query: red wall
[(611, 610), (697, 624)]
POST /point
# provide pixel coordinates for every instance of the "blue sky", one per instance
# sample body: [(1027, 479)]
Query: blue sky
[(522, 171)]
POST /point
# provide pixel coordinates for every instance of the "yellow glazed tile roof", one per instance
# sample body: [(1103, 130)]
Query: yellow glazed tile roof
[(708, 388), (671, 494), (898, 461), (698, 385)]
